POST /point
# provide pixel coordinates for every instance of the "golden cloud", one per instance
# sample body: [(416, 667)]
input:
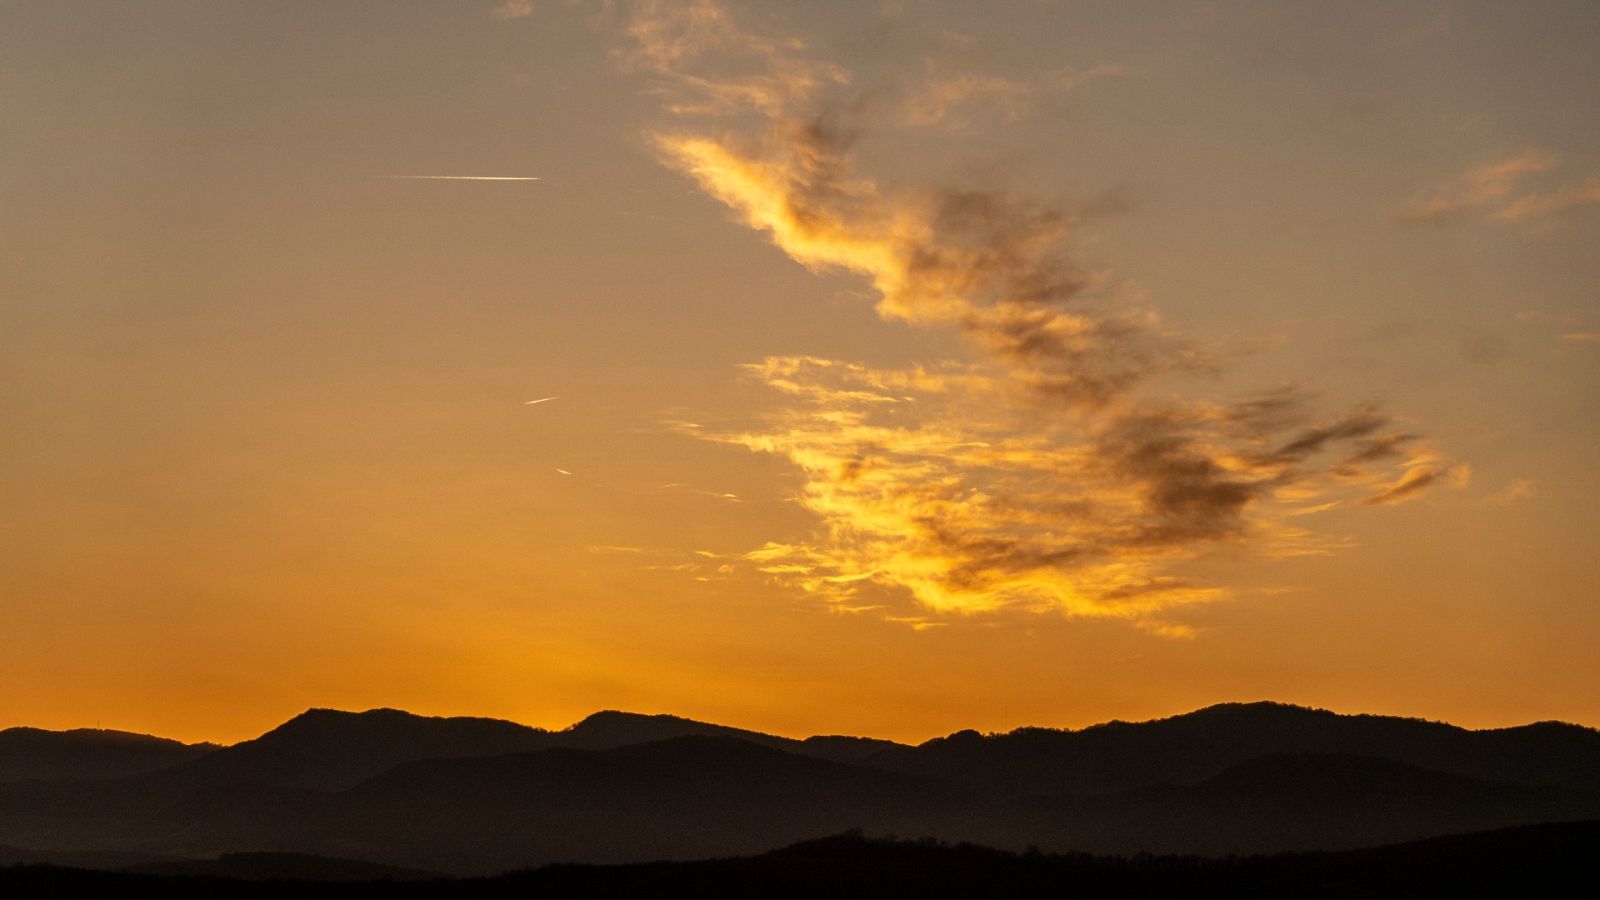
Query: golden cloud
[(930, 482), (1042, 474)]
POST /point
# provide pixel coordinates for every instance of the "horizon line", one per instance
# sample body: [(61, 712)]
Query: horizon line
[(912, 743)]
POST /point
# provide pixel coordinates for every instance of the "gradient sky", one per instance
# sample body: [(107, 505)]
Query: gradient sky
[(918, 366)]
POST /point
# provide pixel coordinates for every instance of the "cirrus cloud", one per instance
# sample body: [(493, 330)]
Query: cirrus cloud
[(1487, 191)]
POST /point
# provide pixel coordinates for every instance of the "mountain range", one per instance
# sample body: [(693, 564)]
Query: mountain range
[(480, 796)]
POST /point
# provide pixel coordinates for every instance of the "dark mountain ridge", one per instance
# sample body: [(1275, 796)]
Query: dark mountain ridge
[(468, 795), (613, 728), (33, 753), (327, 749), (1187, 748)]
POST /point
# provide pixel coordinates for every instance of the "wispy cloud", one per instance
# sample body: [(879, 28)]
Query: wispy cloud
[(1047, 472), (1544, 205), (513, 9), (1487, 191), (1421, 474), (1476, 189), (1515, 492), (708, 65), (942, 99)]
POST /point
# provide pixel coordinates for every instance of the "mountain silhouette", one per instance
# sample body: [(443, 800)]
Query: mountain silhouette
[(33, 753), (479, 796), (328, 749), (611, 728), (1185, 749)]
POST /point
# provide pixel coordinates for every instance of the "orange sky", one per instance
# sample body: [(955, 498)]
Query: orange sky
[(913, 368)]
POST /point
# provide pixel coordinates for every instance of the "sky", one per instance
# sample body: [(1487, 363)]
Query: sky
[(900, 367)]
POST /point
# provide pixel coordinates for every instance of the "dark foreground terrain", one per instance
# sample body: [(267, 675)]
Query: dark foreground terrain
[(479, 797), (1538, 860)]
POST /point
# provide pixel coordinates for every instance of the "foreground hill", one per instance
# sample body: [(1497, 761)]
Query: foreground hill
[(1539, 860)]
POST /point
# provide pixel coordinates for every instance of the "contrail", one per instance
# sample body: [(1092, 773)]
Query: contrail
[(466, 177), (540, 400), (564, 471)]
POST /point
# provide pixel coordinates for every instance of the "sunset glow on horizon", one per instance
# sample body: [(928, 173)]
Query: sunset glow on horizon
[(852, 369)]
